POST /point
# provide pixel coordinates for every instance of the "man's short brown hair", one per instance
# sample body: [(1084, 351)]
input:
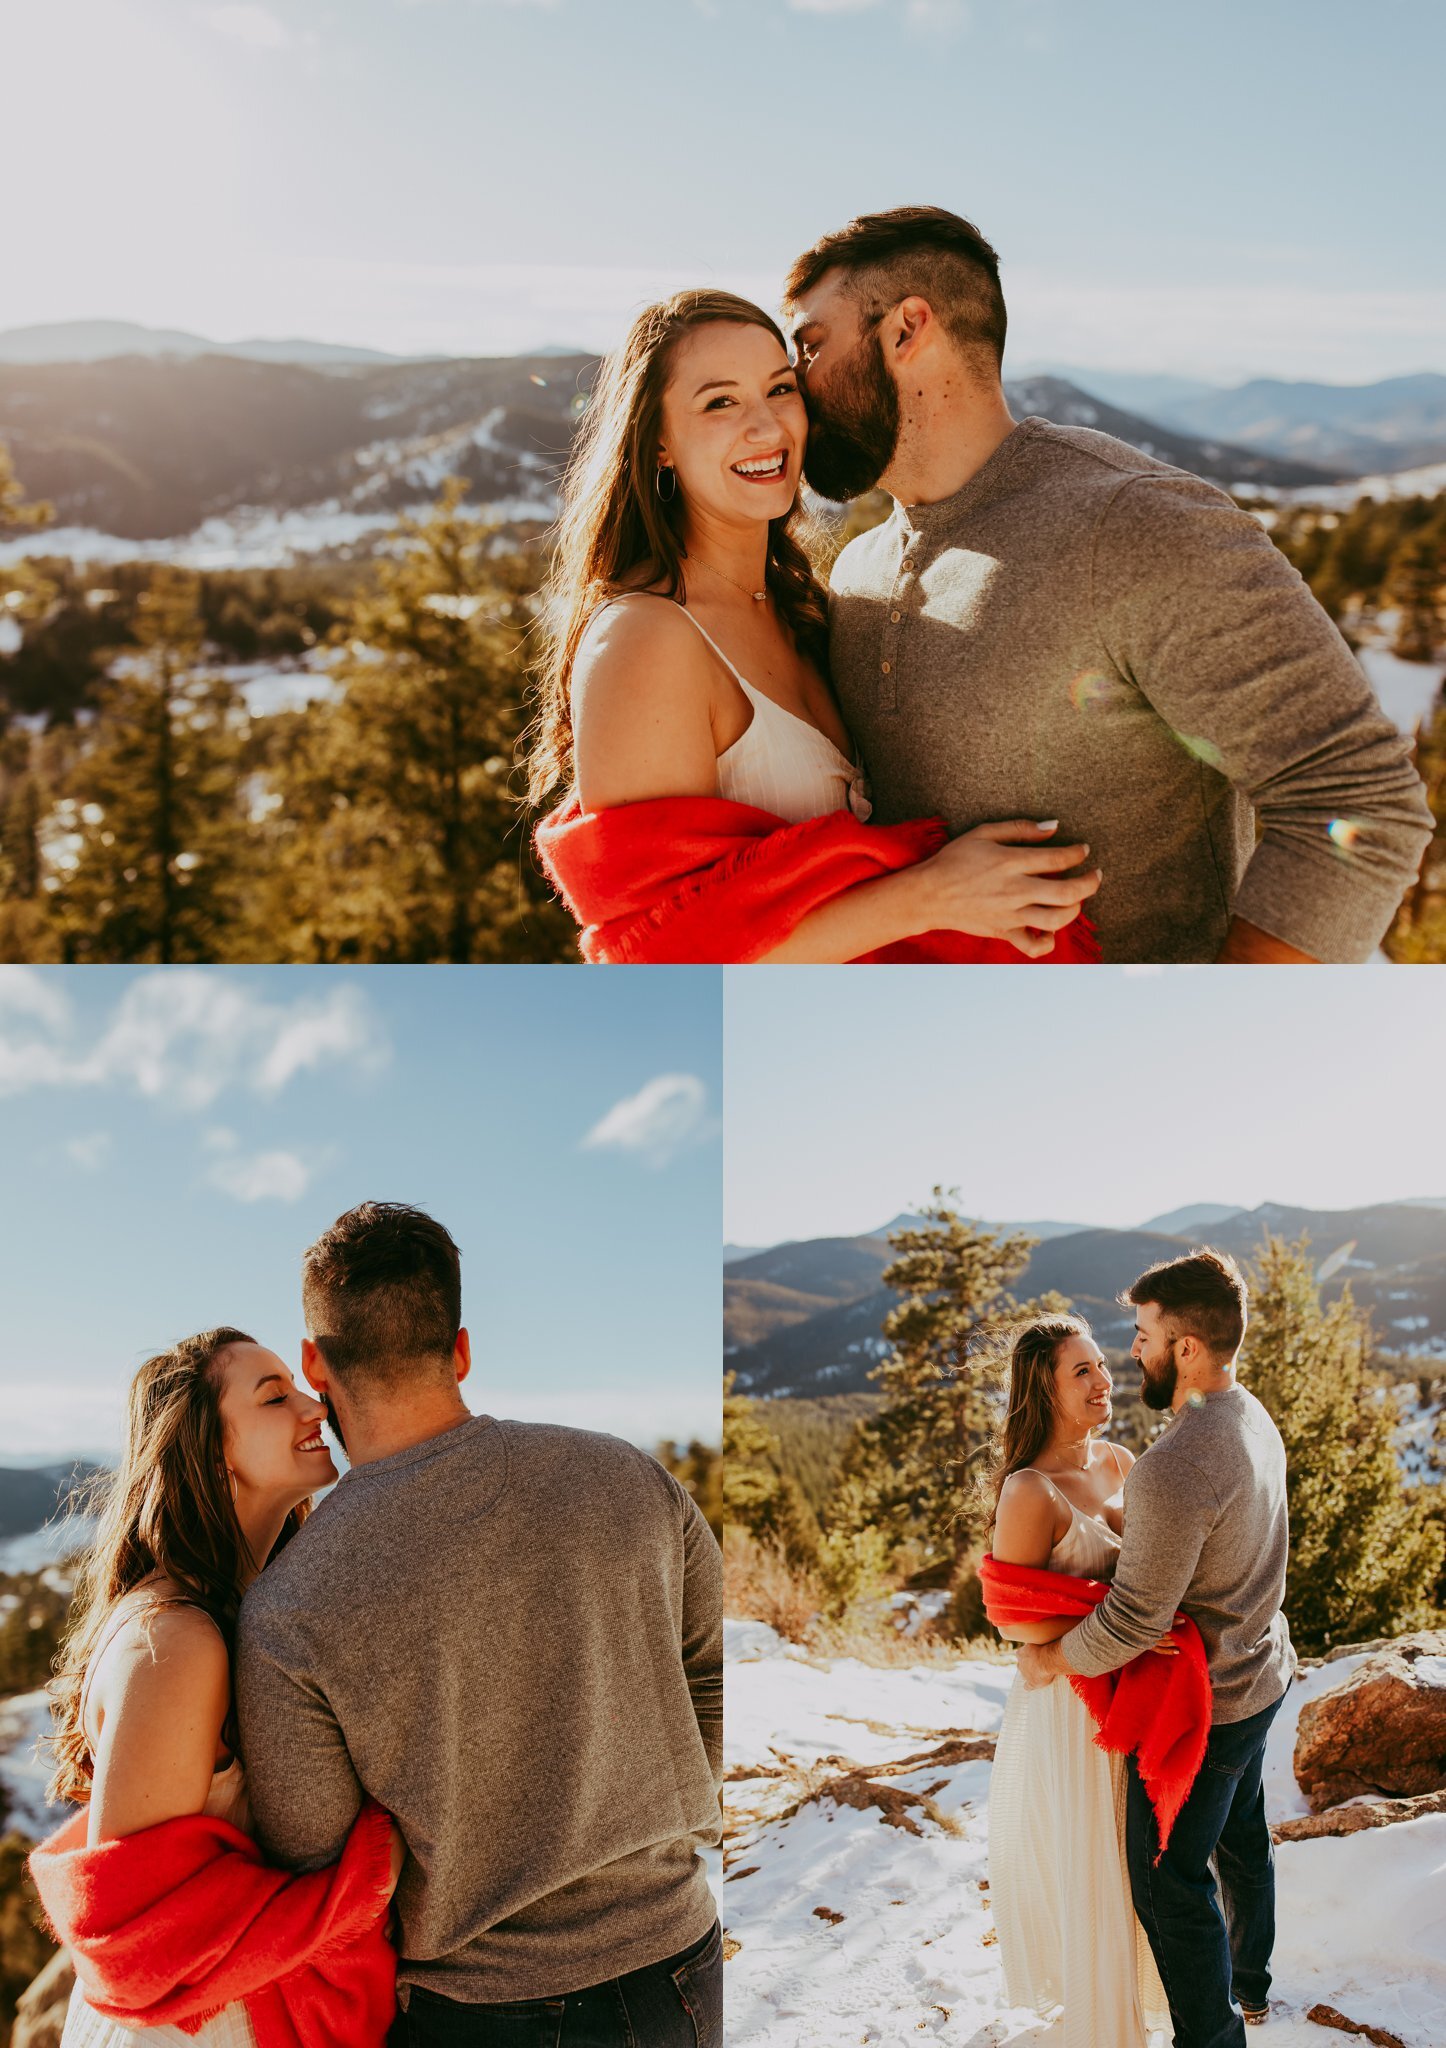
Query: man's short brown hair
[(382, 1292), (915, 252), (1203, 1295)]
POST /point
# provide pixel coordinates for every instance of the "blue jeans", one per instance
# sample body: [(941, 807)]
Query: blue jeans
[(1208, 1958), (677, 2003)]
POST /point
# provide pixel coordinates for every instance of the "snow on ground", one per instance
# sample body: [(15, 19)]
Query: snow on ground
[(853, 1930), (24, 1718), (1403, 483), (253, 537), (40, 1547), (1408, 690)]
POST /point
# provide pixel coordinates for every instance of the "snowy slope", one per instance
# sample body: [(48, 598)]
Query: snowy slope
[(851, 1929)]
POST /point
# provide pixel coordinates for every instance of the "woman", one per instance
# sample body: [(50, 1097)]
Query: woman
[(1068, 1936), (685, 671), (223, 1453)]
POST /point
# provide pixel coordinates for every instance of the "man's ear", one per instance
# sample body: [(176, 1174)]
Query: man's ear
[(912, 326), (313, 1368), (462, 1356)]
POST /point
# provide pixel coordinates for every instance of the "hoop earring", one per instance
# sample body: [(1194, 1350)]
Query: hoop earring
[(665, 469)]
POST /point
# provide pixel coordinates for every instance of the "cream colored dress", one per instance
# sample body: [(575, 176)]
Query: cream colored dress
[(784, 764), (231, 2028), (1058, 1880)]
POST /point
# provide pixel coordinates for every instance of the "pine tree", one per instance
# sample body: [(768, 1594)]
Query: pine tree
[(400, 837), (1418, 933), (1416, 580), (155, 841), (1364, 1557), (757, 1494), (912, 1462)]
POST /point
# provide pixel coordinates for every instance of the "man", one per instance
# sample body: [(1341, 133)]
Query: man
[(1205, 1532), (509, 1634), (1053, 625)]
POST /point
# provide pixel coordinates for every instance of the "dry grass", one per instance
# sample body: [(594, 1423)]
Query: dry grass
[(760, 1585)]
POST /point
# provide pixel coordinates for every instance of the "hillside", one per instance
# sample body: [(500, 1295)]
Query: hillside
[(1392, 1254), (1397, 423), (154, 448), (151, 448)]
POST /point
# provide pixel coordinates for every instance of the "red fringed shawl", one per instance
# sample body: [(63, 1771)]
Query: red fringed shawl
[(171, 1925), (699, 878), (1158, 1707)]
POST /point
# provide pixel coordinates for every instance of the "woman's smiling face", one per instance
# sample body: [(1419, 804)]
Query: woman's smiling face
[(274, 1444), (1082, 1386), (734, 424)]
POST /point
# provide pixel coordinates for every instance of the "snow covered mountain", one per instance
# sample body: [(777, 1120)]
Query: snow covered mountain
[(806, 1318), (219, 458)]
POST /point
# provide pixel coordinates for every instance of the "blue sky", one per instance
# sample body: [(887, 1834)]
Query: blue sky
[(1101, 1098), (1218, 191), (172, 1139)]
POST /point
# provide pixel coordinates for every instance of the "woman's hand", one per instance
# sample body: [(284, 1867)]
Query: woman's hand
[(1004, 882)]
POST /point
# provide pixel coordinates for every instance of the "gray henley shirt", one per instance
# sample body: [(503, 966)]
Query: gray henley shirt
[(1205, 1533), (510, 1636), (1087, 634)]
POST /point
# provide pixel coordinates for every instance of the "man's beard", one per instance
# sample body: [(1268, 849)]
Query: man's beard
[(854, 428), (332, 1422), (1157, 1390)]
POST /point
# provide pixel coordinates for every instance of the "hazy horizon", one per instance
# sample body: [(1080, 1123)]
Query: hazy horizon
[(1219, 197)]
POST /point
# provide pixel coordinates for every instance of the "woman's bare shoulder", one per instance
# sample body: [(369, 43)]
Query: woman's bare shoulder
[(643, 684)]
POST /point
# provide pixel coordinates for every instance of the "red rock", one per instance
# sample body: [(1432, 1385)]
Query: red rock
[(1382, 1730)]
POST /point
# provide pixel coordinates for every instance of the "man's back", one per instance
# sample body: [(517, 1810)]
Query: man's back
[(1085, 633), (510, 1636)]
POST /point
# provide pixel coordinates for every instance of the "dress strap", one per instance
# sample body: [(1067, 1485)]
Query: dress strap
[(747, 688)]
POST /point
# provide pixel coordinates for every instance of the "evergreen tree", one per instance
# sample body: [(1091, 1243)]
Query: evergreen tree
[(912, 1460), (1417, 575), (400, 836), (1364, 1556), (1418, 933), (757, 1494), (154, 839)]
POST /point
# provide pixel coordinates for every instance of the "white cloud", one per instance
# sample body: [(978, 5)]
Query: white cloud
[(90, 1152), (256, 27), (832, 6), (654, 1125), (26, 992), (187, 1035), (263, 1177)]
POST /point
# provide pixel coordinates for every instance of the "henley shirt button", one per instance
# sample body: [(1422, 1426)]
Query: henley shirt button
[(885, 666), (894, 618)]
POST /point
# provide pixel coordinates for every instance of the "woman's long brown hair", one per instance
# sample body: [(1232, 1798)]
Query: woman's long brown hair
[(1029, 1411), (616, 534), (167, 1508)]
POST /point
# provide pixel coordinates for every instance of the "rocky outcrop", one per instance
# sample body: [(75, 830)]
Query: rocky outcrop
[(1381, 1731), (1359, 1814), (40, 2014)]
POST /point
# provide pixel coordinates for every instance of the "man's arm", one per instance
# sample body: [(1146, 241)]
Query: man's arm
[(703, 1628), (1170, 1508), (304, 1793), (1212, 624)]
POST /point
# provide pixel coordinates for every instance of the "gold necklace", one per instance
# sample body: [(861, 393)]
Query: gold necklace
[(758, 596)]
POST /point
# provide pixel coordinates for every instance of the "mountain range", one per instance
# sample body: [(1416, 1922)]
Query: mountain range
[(152, 446), (806, 1318)]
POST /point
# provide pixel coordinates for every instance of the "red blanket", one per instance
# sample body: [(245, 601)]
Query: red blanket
[(170, 1925), (702, 879), (1156, 1707)]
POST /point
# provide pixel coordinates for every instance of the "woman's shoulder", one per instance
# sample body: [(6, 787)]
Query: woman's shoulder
[(159, 1644), (1123, 1458), (630, 624), (1030, 1495)]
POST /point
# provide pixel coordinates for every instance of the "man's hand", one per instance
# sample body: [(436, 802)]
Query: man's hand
[(1246, 945), (1040, 1664)]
